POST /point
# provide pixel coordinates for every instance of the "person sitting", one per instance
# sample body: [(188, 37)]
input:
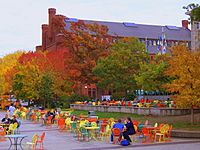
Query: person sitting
[(14, 120), (6, 120), (128, 130), (118, 125)]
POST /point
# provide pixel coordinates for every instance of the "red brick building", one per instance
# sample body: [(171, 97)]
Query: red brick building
[(149, 34)]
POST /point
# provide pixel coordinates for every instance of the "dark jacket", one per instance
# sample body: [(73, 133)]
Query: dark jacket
[(130, 128)]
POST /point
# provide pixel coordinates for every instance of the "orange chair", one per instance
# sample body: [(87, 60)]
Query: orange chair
[(34, 117), (2, 134), (40, 140), (61, 124), (135, 123), (146, 135), (48, 122), (116, 133)]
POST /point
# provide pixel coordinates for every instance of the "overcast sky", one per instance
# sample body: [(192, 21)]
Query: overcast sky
[(20, 26)]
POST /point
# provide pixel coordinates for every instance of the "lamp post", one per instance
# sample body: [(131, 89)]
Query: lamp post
[(86, 90)]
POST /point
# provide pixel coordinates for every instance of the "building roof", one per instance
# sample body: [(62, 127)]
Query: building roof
[(144, 31)]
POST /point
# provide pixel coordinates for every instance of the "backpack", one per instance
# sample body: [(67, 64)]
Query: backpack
[(125, 142)]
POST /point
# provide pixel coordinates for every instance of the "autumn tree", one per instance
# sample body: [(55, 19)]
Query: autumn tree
[(184, 68), (86, 42), (7, 64), (117, 71)]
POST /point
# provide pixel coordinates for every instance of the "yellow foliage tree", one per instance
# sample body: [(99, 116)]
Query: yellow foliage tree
[(184, 67), (6, 64)]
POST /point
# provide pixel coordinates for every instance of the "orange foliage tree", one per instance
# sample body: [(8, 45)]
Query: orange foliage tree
[(86, 44), (184, 68)]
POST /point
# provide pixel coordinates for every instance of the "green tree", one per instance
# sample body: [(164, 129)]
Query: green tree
[(45, 89), (151, 75), (117, 71), (194, 11)]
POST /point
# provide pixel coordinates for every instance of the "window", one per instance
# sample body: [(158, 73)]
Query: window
[(150, 42), (172, 43), (172, 27), (154, 43), (129, 24)]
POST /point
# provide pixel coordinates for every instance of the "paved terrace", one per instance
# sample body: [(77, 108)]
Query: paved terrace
[(66, 141)]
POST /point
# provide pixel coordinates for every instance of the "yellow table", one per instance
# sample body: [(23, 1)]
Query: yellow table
[(91, 130)]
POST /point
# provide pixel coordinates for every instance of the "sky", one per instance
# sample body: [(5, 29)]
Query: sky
[(21, 20)]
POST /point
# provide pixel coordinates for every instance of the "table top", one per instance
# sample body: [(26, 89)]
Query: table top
[(3, 124), (91, 128), (15, 136)]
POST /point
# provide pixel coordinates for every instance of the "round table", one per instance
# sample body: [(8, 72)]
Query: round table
[(15, 138)]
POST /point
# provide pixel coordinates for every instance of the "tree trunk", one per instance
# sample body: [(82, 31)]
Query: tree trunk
[(29, 101), (192, 116), (44, 103)]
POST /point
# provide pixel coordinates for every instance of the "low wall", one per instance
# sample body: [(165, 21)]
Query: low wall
[(135, 110), (185, 134)]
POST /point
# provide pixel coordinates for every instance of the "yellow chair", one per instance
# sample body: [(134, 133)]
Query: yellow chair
[(94, 124), (107, 133), (163, 131), (23, 116), (12, 128), (68, 123), (32, 145)]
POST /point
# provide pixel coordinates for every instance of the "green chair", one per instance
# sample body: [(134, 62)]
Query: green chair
[(83, 134)]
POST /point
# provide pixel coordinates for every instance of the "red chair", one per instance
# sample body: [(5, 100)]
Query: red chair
[(41, 141), (116, 135)]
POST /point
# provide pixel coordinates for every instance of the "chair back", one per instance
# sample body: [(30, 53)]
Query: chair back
[(136, 128), (156, 125), (116, 131), (145, 131), (146, 122), (68, 121), (162, 124), (42, 136), (74, 125), (94, 124), (82, 130), (34, 138), (108, 129), (49, 118), (135, 122)]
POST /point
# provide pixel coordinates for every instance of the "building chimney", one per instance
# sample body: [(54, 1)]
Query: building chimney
[(185, 24), (52, 13), (44, 36)]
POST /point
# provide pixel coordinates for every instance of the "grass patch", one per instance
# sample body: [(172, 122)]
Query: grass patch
[(178, 122)]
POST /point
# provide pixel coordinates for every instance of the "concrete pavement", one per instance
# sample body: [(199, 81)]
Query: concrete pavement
[(55, 140)]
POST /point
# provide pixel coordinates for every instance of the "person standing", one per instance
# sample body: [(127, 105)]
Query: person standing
[(11, 109)]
